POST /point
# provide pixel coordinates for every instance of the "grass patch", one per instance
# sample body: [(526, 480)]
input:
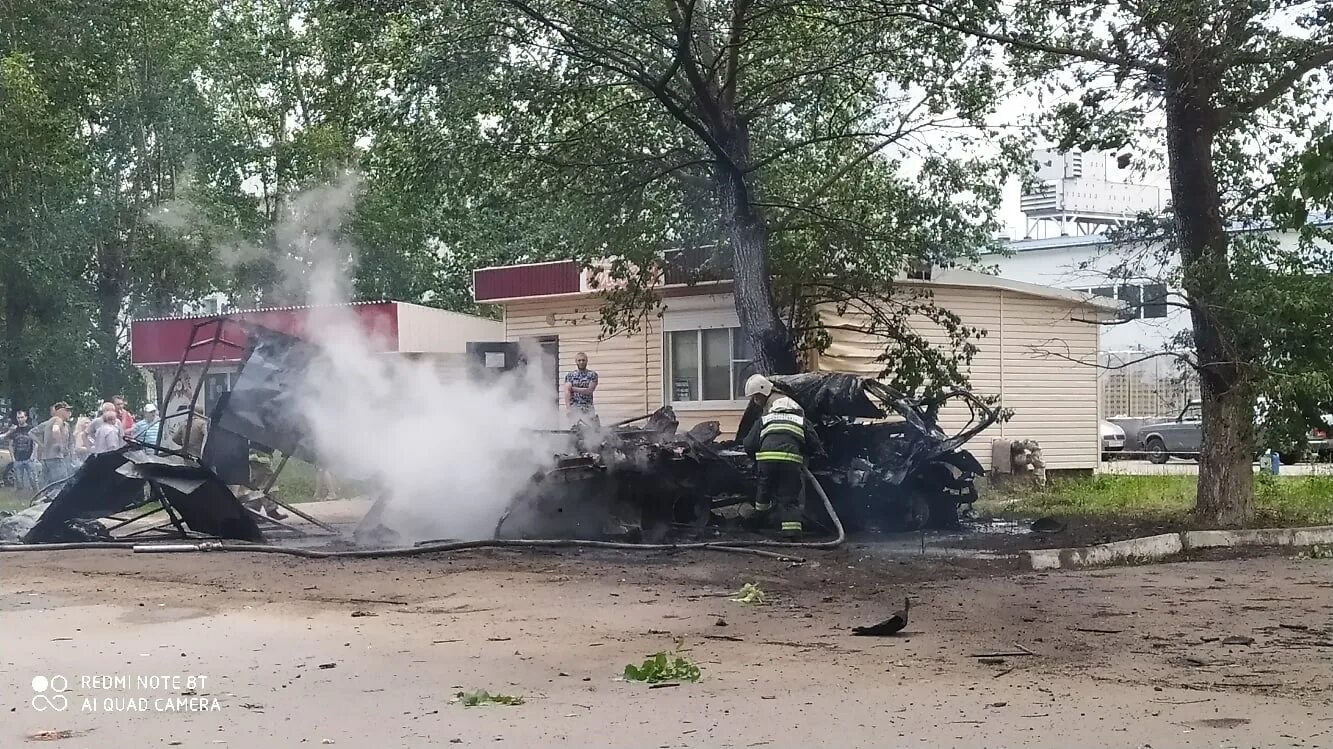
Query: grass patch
[(297, 482), (13, 501), (750, 593), (479, 697), (1279, 500)]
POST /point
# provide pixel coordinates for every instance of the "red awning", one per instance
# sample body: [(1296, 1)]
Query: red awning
[(163, 340), (521, 281)]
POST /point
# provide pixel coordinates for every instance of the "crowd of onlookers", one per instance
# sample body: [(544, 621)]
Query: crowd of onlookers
[(52, 450)]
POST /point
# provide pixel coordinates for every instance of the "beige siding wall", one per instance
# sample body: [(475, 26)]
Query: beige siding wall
[(1050, 379), (1023, 359), (629, 368), (429, 330)]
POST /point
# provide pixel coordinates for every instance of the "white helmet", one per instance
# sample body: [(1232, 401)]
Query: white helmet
[(758, 385), (785, 405)]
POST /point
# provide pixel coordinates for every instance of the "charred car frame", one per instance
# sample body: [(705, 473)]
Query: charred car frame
[(889, 467)]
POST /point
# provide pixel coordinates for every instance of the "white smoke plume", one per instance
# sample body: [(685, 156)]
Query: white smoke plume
[(449, 451)]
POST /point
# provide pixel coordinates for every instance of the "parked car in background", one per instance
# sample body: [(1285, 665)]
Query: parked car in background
[(1182, 437), (1179, 438), (1321, 438), (1113, 440)]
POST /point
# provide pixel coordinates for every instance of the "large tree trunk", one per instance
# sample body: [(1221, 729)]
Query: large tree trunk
[(17, 365), (109, 288), (1226, 477), (752, 288), (770, 341)]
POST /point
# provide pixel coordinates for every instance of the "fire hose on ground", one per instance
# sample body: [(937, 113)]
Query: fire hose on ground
[(757, 548)]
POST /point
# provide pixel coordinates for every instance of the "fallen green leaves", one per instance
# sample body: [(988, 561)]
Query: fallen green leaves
[(663, 666), (749, 593), (482, 697)]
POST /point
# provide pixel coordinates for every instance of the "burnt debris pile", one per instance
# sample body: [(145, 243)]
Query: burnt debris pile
[(889, 467)]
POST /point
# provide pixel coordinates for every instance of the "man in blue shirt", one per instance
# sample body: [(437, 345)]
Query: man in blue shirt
[(579, 387), (146, 430)]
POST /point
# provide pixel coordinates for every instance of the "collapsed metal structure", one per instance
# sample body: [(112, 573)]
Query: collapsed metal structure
[(111, 491)]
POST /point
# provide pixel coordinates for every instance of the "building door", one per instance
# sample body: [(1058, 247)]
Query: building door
[(550, 348), (502, 356)]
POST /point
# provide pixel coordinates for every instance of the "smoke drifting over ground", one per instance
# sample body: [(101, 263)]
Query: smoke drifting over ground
[(448, 450)]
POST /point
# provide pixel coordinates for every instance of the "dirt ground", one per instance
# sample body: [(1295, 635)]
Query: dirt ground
[(370, 652)]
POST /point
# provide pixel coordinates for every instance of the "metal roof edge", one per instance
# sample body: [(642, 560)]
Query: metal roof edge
[(447, 311), (537, 297), (290, 308), (976, 279), (475, 271)]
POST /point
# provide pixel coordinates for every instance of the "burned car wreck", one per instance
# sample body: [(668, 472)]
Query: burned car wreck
[(889, 467)]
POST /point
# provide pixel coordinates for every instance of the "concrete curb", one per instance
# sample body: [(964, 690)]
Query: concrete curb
[(1152, 548), (1258, 537)]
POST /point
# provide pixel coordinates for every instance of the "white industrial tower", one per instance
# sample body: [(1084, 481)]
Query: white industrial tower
[(1072, 195)]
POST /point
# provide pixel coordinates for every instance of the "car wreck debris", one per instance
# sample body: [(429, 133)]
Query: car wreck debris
[(192, 490), (896, 471)]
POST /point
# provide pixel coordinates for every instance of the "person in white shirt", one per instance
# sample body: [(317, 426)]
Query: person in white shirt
[(107, 433)]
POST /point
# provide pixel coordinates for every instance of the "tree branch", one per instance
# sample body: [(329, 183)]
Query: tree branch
[(789, 149), (655, 86), (1278, 86), (865, 155), (682, 17), (732, 50), (1044, 353), (1034, 45)]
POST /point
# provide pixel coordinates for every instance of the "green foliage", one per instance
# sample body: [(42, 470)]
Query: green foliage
[(479, 697), (556, 129), (750, 593), (12, 500), (173, 136), (664, 666), (153, 154), (112, 115)]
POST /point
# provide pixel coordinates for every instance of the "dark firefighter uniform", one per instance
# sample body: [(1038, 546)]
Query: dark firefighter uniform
[(781, 443)]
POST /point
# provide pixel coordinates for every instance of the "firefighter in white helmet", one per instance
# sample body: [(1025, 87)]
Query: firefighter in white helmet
[(758, 388), (781, 443)]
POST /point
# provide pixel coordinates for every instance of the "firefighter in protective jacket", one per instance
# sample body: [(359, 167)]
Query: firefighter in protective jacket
[(781, 443)]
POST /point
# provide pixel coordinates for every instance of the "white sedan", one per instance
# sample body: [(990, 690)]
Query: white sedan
[(1113, 439)]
